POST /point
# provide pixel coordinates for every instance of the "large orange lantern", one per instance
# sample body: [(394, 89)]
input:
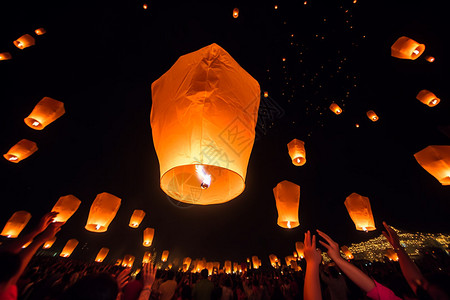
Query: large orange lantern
[(297, 152), (68, 248), (48, 244), (428, 98), (66, 206), (406, 48), (359, 209), (335, 108), (347, 252), (300, 248), (372, 116), (40, 31), (5, 56), (136, 218), (436, 161), (102, 254), (287, 198), (20, 151), (203, 118), (24, 41), (102, 212), (149, 233), (45, 112), (227, 267), (273, 260), (235, 13), (128, 261), (147, 257), (186, 264), (165, 256), (391, 254), (16, 224)]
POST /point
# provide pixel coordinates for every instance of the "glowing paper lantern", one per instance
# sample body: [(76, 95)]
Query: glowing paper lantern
[(118, 262), (5, 56), (287, 198), (358, 208), (48, 244), (436, 161), (186, 264), (299, 247), (24, 41), (256, 262), (128, 261), (102, 212), (101, 254), (20, 151), (235, 13), (45, 112), (273, 260), (391, 254), (16, 224), (40, 31), (347, 252), (27, 244), (227, 267), (428, 98), (406, 48), (136, 218), (68, 248), (149, 233), (289, 259), (372, 116), (66, 206), (266, 94), (145, 6), (297, 152), (335, 108), (203, 118), (430, 58), (209, 267), (147, 257), (165, 256)]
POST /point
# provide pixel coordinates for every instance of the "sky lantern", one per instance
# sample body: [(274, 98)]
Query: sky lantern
[(186, 263), (165, 256), (27, 244), (347, 252), (227, 267), (297, 152), (429, 58), (136, 218), (273, 260), (118, 262), (45, 112), (428, 98), (24, 41), (102, 212), (20, 151), (358, 208), (5, 56), (68, 248), (147, 257), (149, 233), (40, 31), (372, 116), (266, 94), (287, 198), (406, 48), (145, 6), (16, 224), (289, 259), (48, 244), (335, 108), (203, 118), (66, 206), (299, 247), (235, 12), (436, 161), (128, 261), (101, 254), (210, 267), (391, 254), (256, 262)]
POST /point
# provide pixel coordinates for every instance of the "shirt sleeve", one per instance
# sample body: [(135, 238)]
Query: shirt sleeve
[(380, 292)]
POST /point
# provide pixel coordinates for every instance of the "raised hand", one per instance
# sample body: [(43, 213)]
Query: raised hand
[(122, 278), (45, 221), (50, 231), (312, 254), (149, 275), (332, 246), (391, 236)]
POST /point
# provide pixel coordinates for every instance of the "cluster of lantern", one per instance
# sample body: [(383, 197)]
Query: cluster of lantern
[(23, 42), (287, 198), (360, 212)]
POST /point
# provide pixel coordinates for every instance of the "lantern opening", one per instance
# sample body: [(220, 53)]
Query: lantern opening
[(289, 224), (36, 123), (13, 157), (203, 176), (365, 229)]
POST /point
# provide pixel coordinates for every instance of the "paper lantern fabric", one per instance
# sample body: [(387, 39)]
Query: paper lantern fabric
[(165, 256), (391, 254), (101, 254), (149, 233), (45, 112), (128, 261), (372, 116), (147, 257), (335, 108), (16, 224), (430, 59), (20, 151), (102, 212), (360, 212), (428, 98), (5, 56), (68, 248), (347, 252), (48, 244), (24, 41), (289, 259), (273, 260), (66, 206), (203, 118), (287, 198), (299, 247), (40, 31), (406, 48), (227, 267), (186, 264), (136, 218), (436, 161), (297, 152)]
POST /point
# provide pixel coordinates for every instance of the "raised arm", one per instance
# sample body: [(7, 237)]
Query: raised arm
[(148, 279), (311, 290)]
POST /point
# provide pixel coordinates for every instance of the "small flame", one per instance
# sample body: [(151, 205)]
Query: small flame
[(203, 176), (13, 158), (365, 229), (298, 159), (433, 101), (35, 123), (416, 52), (289, 224), (97, 227), (19, 44)]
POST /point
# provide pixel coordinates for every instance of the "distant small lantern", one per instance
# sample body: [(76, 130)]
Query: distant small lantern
[(391, 254), (102, 254), (297, 152), (68, 248), (235, 13), (273, 260), (40, 31), (360, 212), (24, 41), (266, 94), (118, 262), (276, 7), (102, 212), (145, 6), (45, 112), (66, 206), (27, 244), (128, 261), (227, 267), (335, 108), (149, 233), (287, 198), (436, 161), (147, 257), (429, 59), (136, 218), (5, 56), (289, 260), (165, 256), (347, 252), (210, 267), (256, 262), (16, 224), (20, 151), (428, 98), (372, 116), (48, 244), (299, 247), (406, 48), (186, 264)]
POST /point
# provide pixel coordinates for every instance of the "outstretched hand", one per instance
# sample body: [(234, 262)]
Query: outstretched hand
[(332, 246), (50, 231), (122, 278), (149, 274), (312, 254), (391, 236), (45, 221)]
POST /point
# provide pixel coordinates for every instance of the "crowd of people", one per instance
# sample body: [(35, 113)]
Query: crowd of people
[(26, 276)]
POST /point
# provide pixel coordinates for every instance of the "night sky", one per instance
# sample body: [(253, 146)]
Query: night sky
[(100, 58)]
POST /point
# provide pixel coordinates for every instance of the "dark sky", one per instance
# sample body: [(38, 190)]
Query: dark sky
[(100, 58)]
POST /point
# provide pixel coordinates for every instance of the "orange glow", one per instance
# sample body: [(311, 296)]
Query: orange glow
[(24, 41), (48, 244), (406, 48), (65, 207), (359, 209), (16, 224), (299, 247), (256, 262), (165, 256), (149, 233), (20, 151), (347, 252), (273, 260), (266, 94), (227, 267), (118, 262), (45, 112), (210, 267), (429, 59), (5, 56), (68, 248), (235, 13), (276, 7), (196, 106), (102, 212), (186, 264), (145, 6), (297, 152), (428, 98), (436, 161), (335, 108), (102, 254), (27, 244), (40, 31), (136, 218), (147, 257), (287, 198), (391, 254), (289, 259), (372, 116), (128, 261)]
